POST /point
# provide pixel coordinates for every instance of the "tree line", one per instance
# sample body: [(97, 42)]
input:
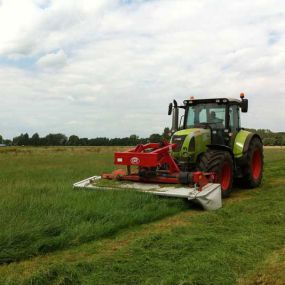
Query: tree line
[(269, 138), (73, 140)]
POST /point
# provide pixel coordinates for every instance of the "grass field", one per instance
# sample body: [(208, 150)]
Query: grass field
[(52, 234)]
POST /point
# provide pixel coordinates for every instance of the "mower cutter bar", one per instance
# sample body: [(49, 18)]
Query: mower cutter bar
[(198, 179), (209, 197)]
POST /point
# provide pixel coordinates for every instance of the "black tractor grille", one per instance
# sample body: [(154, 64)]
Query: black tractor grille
[(178, 140)]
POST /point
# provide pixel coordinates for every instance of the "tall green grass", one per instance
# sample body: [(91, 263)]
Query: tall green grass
[(217, 247), (40, 212)]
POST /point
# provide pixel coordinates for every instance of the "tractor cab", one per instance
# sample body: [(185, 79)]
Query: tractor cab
[(220, 115)]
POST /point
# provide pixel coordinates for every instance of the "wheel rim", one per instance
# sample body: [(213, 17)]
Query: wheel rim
[(256, 165), (226, 177)]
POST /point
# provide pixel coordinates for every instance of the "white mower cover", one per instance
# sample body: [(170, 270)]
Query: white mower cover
[(210, 198)]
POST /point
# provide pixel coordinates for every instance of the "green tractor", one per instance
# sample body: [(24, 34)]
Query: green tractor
[(210, 138)]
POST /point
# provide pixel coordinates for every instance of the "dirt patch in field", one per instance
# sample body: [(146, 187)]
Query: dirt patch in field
[(272, 272), (274, 147), (277, 182)]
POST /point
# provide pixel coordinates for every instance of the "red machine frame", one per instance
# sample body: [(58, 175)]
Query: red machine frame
[(155, 158)]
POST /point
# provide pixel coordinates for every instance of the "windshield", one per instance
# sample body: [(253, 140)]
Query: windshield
[(212, 114)]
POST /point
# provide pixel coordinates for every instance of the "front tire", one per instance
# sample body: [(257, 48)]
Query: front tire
[(253, 168), (221, 163)]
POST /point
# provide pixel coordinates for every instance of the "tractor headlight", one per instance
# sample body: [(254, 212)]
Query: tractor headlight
[(192, 144), (178, 140)]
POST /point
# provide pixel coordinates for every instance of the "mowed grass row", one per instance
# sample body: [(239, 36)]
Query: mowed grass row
[(222, 247), (40, 212)]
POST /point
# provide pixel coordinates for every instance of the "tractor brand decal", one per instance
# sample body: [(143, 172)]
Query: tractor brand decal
[(135, 160)]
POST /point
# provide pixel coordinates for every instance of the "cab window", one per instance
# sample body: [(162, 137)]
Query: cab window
[(234, 123), (211, 114)]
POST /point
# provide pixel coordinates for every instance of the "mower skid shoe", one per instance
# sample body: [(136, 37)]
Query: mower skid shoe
[(210, 198)]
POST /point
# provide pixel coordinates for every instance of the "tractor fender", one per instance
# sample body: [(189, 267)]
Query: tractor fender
[(242, 142), (248, 141), (241, 157)]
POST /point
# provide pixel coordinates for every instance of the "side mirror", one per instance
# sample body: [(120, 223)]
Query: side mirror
[(244, 105), (170, 106)]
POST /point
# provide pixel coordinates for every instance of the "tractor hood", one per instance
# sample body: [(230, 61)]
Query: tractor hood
[(190, 143)]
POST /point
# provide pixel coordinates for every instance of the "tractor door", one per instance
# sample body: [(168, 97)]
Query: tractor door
[(216, 118), (234, 123)]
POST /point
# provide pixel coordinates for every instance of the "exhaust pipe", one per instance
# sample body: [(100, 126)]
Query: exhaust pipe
[(175, 117)]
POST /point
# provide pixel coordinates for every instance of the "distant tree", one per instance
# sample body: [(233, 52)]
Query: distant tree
[(133, 140), (35, 139), (268, 141), (43, 141), (56, 139), (26, 139), (155, 138), (99, 142), (279, 140), (15, 140), (269, 137), (73, 140), (83, 141), (143, 140), (7, 142), (117, 141), (22, 139), (1, 139), (166, 134)]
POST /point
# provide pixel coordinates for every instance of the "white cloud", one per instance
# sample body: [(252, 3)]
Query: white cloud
[(108, 68), (42, 3), (53, 60)]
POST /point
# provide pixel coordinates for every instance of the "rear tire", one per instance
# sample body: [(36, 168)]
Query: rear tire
[(252, 170), (221, 163)]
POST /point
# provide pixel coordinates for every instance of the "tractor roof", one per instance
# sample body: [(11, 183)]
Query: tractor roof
[(212, 100)]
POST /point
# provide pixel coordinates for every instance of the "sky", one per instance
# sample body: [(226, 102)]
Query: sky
[(111, 67)]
